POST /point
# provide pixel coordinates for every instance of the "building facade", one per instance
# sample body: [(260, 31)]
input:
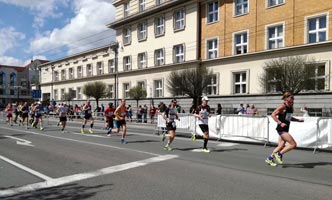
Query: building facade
[(234, 38), (14, 83)]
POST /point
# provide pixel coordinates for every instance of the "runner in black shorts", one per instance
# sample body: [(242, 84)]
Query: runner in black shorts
[(170, 115), (87, 110)]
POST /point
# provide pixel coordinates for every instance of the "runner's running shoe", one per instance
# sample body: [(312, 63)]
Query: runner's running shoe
[(168, 148), (278, 157), (82, 131), (193, 138), (41, 128), (270, 162), (90, 131), (206, 150), (123, 141)]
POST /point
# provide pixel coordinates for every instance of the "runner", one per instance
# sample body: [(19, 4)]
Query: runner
[(283, 116), (38, 109), (109, 115), (62, 111), (170, 114), (9, 114), (25, 114), (87, 110), (202, 114), (120, 120)]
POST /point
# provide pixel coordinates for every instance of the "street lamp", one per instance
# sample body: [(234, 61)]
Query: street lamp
[(116, 82), (52, 67)]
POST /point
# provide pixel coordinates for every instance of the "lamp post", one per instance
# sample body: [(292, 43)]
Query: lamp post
[(116, 82), (18, 92), (52, 67)]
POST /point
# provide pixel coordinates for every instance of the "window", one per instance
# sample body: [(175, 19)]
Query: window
[(79, 72), (273, 81), (71, 73), (241, 43), (159, 57), (179, 20), (158, 88), (240, 83), (63, 74), (89, 70), (141, 5), (126, 89), (79, 93), (241, 7), (111, 91), (141, 31), (212, 48), (126, 9), (275, 37), (178, 53), (56, 95), (160, 26), (271, 3), (317, 29), (111, 67), (141, 60), (100, 68), (141, 84), (212, 12), (126, 63), (212, 86), (56, 76), (317, 74), (62, 93), (126, 36), (158, 2)]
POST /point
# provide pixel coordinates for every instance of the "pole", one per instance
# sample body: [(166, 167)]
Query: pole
[(52, 97), (116, 82)]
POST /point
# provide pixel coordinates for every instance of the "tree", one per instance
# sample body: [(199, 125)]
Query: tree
[(191, 82), (137, 93), (292, 74), (96, 90), (67, 96)]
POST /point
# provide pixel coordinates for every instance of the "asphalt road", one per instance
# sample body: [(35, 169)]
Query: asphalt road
[(51, 165)]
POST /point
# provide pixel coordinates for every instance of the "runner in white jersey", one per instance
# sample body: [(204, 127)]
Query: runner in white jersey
[(202, 114), (62, 111)]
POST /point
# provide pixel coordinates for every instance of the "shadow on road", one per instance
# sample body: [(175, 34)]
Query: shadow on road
[(306, 165), (142, 141), (65, 192)]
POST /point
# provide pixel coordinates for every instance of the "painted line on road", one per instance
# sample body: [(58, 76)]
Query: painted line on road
[(84, 142), (227, 144), (83, 176), (27, 169)]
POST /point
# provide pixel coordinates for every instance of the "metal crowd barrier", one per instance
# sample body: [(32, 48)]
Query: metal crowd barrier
[(325, 133)]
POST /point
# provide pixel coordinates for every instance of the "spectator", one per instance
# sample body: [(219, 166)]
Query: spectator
[(252, 110), (152, 113), (130, 113), (240, 110), (161, 107), (145, 113), (305, 111), (139, 113), (219, 109)]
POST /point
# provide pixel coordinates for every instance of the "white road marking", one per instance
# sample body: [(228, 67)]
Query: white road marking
[(20, 141), (31, 171), (83, 176), (227, 144)]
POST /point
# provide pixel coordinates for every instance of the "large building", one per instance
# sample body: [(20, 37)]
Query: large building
[(234, 38)]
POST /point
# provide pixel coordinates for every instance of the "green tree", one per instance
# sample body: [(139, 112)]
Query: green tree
[(67, 97), (292, 74), (97, 90), (190, 82), (137, 93)]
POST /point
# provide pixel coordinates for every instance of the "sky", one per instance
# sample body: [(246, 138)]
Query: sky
[(52, 29)]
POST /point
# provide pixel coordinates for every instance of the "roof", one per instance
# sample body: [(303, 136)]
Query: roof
[(17, 68)]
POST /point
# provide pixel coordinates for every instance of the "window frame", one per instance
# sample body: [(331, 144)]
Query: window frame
[(141, 5), (127, 36), (89, 70), (277, 37), (241, 83), (214, 49), (126, 9), (278, 3), (160, 27), (158, 88), (111, 66), (209, 13), (243, 8), (141, 64), (242, 44), (177, 55), (307, 31), (157, 57), (127, 65), (213, 85), (142, 34), (100, 68), (126, 90), (179, 21), (71, 73), (79, 71)]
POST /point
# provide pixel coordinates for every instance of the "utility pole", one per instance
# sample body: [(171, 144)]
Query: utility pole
[(115, 48), (52, 97)]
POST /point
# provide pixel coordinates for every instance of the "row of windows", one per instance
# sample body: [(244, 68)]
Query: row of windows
[(240, 84), (159, 27), (316, 31), (241, 7), (142, 5)]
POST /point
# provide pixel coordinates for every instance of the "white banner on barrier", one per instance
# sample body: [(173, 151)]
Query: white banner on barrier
[(183, 122)]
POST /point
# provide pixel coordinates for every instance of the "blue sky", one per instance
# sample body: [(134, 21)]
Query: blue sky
[(52, 29)]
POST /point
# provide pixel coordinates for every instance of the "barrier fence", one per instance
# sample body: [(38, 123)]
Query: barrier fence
[(314, 132)]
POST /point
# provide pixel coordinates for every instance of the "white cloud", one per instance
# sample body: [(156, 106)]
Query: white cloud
[(9, 38), (5, 60), (41, 9), (90, 20)]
